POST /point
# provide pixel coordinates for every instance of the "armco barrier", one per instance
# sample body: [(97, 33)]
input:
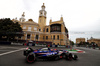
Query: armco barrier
[(53, 45), (40, 45), (12, 43), (30, 44), (61, 46), (5, 43)]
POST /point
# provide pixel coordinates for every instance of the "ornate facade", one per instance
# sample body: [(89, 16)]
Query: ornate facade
[(54, 33), (78, 40), (94, 41)]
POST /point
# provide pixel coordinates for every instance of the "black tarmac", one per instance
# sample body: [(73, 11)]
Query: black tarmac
[(13, 56)]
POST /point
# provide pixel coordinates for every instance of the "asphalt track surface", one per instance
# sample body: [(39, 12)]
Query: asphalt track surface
[(13, 56)]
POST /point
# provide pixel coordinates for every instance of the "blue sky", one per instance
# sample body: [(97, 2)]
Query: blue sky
[(78, 15)]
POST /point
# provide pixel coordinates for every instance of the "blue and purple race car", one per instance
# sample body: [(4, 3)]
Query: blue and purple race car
[(47, 54)]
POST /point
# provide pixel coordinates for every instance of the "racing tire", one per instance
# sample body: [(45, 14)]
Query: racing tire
[(64, 56), (75, 57), (69, 56), (30, 58), (57, 57), (25, 53)]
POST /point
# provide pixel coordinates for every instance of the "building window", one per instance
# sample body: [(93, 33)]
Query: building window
[(35, 28), (36, 36), (29, 28), (58, 37), (39, 29), (58, 44), (55, 28), (41, 13), (43, 38), (47, 30), (54, 37), (53, 43), (46, 37), (28, 36), (24, 27), (19, 37)]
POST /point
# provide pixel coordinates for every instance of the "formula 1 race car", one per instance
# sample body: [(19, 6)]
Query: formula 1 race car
[(47, 54)]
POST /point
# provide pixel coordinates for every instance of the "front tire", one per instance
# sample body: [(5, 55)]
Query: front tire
[(69, 56), (75, 57), (30, 58)]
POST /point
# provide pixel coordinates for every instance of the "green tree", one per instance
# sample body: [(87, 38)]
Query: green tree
[(9, 29), (71, 42)]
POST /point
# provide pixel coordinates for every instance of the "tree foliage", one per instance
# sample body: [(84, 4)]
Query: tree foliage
[(9, 29), (71, 42)]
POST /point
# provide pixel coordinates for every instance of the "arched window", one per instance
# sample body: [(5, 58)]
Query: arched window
[(44, 30), (36, 36), (46, 37), (54, 37), (28, 36), (47, 30), (39, 29), (57, 37)]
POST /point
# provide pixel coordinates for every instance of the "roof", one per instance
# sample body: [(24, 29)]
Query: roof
[(94, 39), (30, 21), (80, 38)]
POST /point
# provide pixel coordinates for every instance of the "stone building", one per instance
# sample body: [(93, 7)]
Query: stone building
[(94, 41), (38, 32), (78, 40)]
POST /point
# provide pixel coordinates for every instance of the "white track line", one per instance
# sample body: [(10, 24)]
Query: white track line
[(11, 52), (76, 52), (9, 47)]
